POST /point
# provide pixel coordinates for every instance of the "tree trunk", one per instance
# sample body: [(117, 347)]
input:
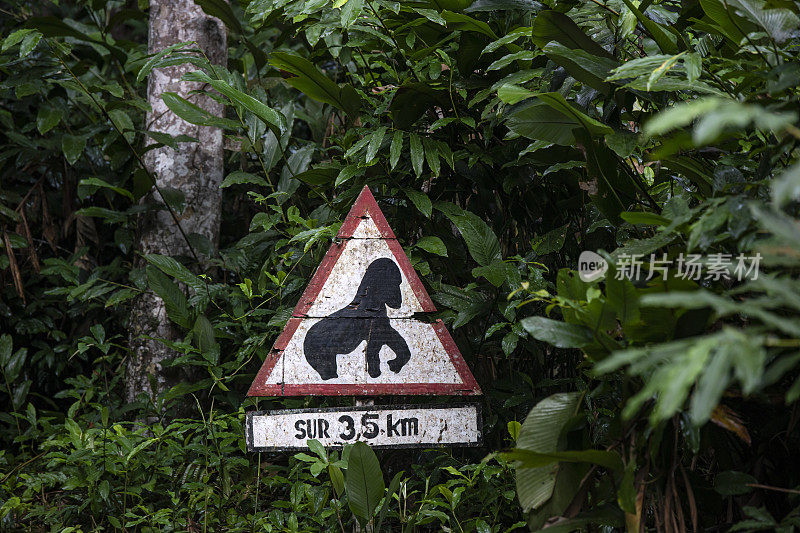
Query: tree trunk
[(195, 169)]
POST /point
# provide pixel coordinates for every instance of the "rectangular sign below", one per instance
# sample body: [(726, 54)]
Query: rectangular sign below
[(405, 426)]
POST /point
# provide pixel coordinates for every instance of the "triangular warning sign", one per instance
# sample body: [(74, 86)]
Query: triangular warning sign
[(354, 332)]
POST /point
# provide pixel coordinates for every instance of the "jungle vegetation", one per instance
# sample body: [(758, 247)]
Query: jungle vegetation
[(154, 242)]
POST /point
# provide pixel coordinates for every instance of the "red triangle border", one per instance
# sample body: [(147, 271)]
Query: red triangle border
[(364, 205)]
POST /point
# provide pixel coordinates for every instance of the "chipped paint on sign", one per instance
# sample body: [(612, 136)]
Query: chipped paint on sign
[(356, 329), (384, 426), (346, 275)]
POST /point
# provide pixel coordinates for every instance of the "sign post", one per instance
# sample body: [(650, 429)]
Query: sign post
[(356, 331)]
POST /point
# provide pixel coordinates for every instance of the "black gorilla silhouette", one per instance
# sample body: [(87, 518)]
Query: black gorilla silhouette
[(364, 319)]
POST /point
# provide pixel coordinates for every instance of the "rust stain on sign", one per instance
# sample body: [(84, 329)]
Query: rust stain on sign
[(354, 330)]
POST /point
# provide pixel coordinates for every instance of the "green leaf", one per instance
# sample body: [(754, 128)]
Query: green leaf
[(583, 66), (532, 459), (559, 103), (555, 26), (460, 21), (420, 201), (174, 300), (432, 245), (511, 94), (97, 182), (365, 485), (395, 149), (786, 187), (621, 295), (733, 483), (6, 344), (559, 334), (273, 119), (313, 83), (72, 146), (14, 38), (417, 154), (550, 242), (482, 243), (194, 114), (222, 10), (540, 433), (664, 39), (524, 55), (539, 121), (432, 155), (375, 140), (350, 12), (237, 177), (204, 338), (680, 115), (29, 42), (495, 272), (394, 485), (156, 58)]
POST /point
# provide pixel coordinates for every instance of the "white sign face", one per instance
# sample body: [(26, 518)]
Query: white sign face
[(356, 329), (390, 426)]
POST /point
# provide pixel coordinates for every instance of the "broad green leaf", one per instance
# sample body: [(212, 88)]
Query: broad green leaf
[(533, 459), (375, 140), (156, 58), (394, 485), (664, 39), (680, 115), (433, 245), (539, 121), (482, 243), (432, 155), (560, 104), (511, 94), (310, 81), (273, 119), (525, 55), (365, 485), (585, 67), (420, 201), (174, 300), (194, 114), (97, 182), (555, 26), (350, 11), (417, 153), (540, 433), (395, 149), (786, 187), (72, 146), (621, 295), (173, 268), (238, 177), (460, 21), (48, 117), (559, 334), (733, 483), (496, 272), (204, 338), (29, 42), (15, 37)]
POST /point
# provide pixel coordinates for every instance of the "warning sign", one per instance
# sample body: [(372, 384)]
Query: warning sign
[(356, 329)]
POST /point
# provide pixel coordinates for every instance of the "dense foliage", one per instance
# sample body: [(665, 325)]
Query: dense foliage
[(501, 138)]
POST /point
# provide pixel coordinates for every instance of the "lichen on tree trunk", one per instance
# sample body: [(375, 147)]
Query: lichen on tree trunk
[(195, 169)]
